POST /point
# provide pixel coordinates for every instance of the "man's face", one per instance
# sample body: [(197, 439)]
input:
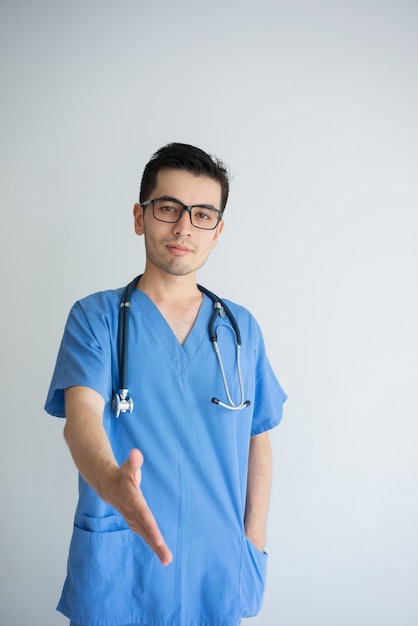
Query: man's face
[(179, 249)]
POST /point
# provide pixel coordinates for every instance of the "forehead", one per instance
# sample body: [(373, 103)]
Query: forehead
[(188, 188)]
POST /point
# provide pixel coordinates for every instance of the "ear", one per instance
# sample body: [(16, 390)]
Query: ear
[(138, 219), (219, 229)]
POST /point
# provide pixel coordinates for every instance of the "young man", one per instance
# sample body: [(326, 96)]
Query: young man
[(171, 520)]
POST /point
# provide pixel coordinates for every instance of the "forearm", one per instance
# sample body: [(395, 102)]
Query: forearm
[(87, 439), (258, 489)]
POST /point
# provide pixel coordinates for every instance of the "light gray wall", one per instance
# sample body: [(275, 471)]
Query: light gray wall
[(314, 106)]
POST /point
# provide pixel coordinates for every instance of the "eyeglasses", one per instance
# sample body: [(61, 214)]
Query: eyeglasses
[(170, 210)]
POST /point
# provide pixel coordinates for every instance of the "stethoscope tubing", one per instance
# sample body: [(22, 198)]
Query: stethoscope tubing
[(121, 400), (123, 332), (220, 305)]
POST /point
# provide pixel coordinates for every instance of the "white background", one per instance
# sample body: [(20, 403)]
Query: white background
[(314, 107)]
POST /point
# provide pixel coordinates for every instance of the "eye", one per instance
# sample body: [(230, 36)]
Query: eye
[(168, 208), (203, 215)]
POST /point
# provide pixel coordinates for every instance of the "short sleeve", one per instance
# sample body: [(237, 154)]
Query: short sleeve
[(269, 395), (84, 357)]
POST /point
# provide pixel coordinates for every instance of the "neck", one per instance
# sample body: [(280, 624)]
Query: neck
[(177, 298), (163, 287)]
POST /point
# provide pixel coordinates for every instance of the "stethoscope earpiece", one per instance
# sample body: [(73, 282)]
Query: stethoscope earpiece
[(238, 407)]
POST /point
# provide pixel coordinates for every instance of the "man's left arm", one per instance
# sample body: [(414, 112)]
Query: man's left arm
[(258, 489)]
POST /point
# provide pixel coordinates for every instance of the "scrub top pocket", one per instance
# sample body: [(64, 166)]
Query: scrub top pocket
[(253, 579), (99, 576)]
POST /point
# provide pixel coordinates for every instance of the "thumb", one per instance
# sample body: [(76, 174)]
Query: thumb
[(135, 462)]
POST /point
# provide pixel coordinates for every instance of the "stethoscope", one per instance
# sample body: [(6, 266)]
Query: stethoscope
[(122, 401)]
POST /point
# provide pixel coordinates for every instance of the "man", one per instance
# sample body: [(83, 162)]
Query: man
[(170, 526)]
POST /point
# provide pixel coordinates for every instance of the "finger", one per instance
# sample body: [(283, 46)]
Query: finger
[(136, 458), (164, 554), (161, 550), (147, 527)]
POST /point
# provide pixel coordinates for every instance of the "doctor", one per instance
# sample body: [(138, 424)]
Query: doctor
[(170, 527)]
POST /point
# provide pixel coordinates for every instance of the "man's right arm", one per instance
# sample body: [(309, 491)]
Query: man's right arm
[(93, 456)]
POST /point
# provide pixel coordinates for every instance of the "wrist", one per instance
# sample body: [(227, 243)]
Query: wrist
[(257, 536), (107, 483)]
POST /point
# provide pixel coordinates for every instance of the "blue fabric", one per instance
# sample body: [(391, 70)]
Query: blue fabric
[(137, 624), (194, 474)]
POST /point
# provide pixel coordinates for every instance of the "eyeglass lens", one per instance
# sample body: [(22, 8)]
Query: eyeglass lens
[(170, 211)]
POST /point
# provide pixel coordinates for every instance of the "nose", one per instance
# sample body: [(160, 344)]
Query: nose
[(184, 225)]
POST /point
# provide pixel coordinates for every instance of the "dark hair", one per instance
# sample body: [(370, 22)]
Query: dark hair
[(182, 156)]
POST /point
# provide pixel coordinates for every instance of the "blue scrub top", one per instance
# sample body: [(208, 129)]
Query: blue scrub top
[(194, 474)]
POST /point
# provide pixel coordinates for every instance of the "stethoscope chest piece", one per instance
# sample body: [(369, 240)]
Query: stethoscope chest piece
[(122, 402)]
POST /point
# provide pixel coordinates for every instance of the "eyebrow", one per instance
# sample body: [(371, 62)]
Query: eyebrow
[(203, 206)]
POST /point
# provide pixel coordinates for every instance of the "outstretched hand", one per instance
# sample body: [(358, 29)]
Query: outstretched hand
[(126, 496), (93, 455)]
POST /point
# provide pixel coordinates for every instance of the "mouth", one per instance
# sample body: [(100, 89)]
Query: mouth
[(178, 249)]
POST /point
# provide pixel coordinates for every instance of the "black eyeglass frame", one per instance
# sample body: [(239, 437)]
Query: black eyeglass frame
[(184, 208)]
